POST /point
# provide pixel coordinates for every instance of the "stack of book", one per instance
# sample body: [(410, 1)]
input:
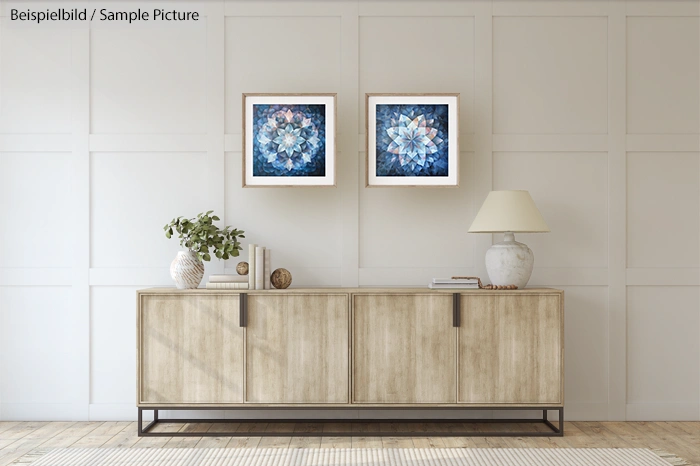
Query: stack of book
[(454, 283), (227, 282)]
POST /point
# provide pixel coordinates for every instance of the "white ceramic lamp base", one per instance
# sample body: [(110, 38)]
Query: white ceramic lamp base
[(509, 262)]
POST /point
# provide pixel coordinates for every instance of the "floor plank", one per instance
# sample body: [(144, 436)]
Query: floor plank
[(366, 442), (101, 435), (124, 439)]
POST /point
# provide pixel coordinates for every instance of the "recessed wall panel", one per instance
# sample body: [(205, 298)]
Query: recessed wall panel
[(35, 80), (550, 75), (663, 71), (37, 209), (148, 79), (663, 348), (280, 55), (133, 195), (418, 55), (40, 352), (663, 205), (571, 192)]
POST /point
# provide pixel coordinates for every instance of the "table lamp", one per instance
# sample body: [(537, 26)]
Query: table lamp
[(509, 212)]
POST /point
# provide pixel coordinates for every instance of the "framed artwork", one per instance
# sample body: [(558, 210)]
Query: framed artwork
[(412, 139), (289, 140)]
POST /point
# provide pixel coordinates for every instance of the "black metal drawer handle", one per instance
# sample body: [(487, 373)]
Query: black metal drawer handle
[(456, 314), (243, 309)]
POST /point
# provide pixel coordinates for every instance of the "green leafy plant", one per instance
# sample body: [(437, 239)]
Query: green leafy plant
[(200, 234)]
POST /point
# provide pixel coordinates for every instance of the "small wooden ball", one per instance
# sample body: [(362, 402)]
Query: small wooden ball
[(242, 268), (281, 279)]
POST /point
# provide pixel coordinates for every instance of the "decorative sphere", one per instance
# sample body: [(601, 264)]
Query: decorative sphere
[(242, 268), (281, 279)]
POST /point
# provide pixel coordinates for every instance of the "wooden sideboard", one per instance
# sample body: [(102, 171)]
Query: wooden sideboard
[(350, 348)]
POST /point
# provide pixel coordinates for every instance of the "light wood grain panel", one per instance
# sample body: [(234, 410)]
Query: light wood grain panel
[(297, 348), (511, 349), (403, 349), (191, 349)]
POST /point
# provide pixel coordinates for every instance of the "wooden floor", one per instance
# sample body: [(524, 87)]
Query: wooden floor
[(19, 438)]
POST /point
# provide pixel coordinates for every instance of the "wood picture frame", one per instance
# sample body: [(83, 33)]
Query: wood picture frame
[(419, 146), (289, 139)]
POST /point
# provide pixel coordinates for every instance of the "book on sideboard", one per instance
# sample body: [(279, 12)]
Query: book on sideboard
[(251, 266), (268, 270), (454, 281), (260, 268), (228, 278), (453, 286), (227, 286)]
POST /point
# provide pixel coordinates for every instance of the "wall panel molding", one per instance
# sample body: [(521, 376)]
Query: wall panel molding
[(663, 276), (550, 142), (663, 142), (80, 97), (36, 143), (546, 8), (663, 7), (216, 114), (10, 276), (282, 8), (617, 211), (148, 142), (483, 121), (437, 8), (348, 166)]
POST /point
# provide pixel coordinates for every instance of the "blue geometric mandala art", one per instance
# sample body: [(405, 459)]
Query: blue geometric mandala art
[(412, 140), (289, 140)]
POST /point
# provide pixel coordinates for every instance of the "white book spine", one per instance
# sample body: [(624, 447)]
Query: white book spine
[(260, 268), (228, 279), (251, 266), (268, 269), (227, 286)]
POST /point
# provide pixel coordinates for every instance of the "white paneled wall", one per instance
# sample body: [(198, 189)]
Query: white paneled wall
[(107, 133)]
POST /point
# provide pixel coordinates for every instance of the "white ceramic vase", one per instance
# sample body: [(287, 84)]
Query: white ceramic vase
[(509, 262), (187, 270)]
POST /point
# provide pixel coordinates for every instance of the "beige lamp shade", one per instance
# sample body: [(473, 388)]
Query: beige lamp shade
[(513, 211)]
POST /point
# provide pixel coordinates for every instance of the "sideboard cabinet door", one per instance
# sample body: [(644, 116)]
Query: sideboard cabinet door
[(297, 348), (190, 349), (511, 349), (403, 349)]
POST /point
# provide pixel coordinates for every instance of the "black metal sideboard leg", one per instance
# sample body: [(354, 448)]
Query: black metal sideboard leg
[(144, 431), (558, 431)]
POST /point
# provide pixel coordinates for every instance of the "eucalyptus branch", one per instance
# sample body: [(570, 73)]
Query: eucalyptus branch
[(199, 234)]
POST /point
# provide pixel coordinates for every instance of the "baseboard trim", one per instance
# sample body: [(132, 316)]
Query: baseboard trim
[(113, 412), (43, 412), (663, 411), (586, 411)]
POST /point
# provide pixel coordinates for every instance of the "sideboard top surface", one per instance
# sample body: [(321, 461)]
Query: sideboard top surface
[(365, 290)]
